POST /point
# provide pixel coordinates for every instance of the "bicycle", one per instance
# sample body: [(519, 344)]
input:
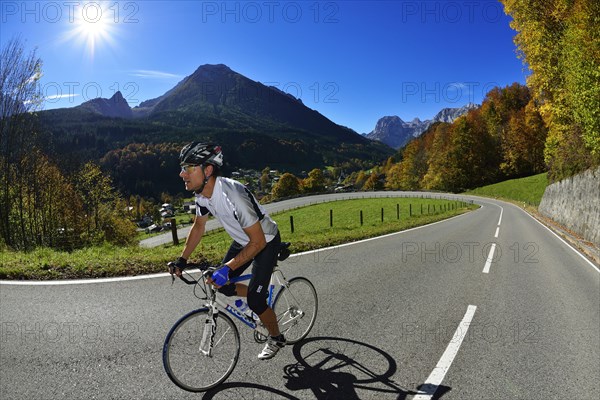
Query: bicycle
[(202, 348)]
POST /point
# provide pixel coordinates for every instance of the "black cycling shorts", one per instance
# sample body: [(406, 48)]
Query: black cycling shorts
[(262, 268)]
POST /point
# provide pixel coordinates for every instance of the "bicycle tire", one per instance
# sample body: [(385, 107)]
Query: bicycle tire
[(299, 295), (186, 366)]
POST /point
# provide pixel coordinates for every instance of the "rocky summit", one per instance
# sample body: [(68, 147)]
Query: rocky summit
[(396, 133), (115, 107)]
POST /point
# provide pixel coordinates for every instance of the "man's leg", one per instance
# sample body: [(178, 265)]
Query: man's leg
[(258, 289), (269, 320)]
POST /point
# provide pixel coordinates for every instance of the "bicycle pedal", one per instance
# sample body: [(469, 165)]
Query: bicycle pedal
[(259, 337)]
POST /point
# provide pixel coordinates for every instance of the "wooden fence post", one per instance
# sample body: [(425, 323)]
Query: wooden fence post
[(174, 231)]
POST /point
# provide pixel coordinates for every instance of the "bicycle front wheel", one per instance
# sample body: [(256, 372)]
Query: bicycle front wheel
[(296, 309), (188, 357)]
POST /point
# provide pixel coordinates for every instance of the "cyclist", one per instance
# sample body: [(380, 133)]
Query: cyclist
[(255, 235)]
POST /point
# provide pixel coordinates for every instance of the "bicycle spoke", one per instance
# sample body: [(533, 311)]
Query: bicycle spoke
[(187, 364), (296, 308)]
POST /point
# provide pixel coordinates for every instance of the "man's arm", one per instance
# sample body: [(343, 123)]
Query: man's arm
[(191, 242), (194, 237), (255, 245)]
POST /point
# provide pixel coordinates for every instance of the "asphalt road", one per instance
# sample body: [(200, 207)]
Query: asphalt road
[(401, 317)]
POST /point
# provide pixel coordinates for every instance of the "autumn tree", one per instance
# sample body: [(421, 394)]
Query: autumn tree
[(559, 40), (288, 185), (315, 182), (408, 173), (48, 209), (19, 97), (105, 210), (523, 143), (265, 180), (360, 180), (373, 183), (437, 158)]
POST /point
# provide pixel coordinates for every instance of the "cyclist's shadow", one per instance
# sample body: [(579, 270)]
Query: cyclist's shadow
[(336, 368)]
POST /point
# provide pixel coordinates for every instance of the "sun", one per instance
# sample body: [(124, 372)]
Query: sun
[(93, 32), (92, 28)]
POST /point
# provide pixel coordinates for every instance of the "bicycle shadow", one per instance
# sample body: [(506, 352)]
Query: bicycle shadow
[(271, 393), (338, 368)]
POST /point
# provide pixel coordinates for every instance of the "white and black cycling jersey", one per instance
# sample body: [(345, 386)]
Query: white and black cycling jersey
[(236, 208)]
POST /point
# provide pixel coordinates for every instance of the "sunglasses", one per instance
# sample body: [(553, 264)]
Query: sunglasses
[(188, 169)]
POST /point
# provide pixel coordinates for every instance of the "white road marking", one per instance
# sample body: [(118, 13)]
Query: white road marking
[(562, 240), (497, 231), (501, 212), (490, 257), (436, 377)]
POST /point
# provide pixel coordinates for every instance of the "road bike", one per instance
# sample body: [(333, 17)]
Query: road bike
[(202, 349)]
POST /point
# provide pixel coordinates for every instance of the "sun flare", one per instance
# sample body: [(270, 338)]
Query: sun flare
[(91, 29), (92, 32)]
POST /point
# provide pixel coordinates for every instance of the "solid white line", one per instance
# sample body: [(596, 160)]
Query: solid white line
[(562, 240), (439, 372), (497, 231), (85, 281), (490, 257), (166, 274)]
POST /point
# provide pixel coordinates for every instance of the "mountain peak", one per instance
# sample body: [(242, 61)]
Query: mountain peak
[(117, 97), (115, 107), (396, 133), (211, 71), (214, 67), (450, 114)]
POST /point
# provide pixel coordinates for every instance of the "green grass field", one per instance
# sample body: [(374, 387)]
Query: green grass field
[(311, 231), (527, 190)]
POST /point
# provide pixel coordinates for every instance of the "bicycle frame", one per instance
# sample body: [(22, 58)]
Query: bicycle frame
[(219, 303)]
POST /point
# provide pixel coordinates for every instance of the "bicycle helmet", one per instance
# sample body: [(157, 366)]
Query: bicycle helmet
[(197, 153)]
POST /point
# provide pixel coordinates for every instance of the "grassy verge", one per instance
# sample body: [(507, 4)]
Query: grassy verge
[(311, 231), (527, 190)]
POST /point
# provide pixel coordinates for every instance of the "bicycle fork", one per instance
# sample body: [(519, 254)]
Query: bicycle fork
[(210, 329)]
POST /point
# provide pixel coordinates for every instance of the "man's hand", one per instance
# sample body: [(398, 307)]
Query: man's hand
[(176, 267), (220, 276)]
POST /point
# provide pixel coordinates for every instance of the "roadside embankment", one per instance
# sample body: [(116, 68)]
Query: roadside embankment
[(574, 203)]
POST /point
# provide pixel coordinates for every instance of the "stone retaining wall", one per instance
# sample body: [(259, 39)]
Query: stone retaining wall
[(575, 203)]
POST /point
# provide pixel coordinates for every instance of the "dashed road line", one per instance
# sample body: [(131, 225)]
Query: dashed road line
[(436, 377), (490, 258)]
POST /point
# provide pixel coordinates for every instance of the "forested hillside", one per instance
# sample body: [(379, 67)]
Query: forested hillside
[(256, 125)]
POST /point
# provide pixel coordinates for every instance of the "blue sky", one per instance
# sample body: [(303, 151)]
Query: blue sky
[(353, 61)]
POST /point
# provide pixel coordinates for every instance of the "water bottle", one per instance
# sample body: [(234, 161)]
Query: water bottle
[(244, 309)]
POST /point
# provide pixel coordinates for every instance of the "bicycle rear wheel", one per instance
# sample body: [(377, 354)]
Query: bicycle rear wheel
[(296, 307), (185, 363)]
